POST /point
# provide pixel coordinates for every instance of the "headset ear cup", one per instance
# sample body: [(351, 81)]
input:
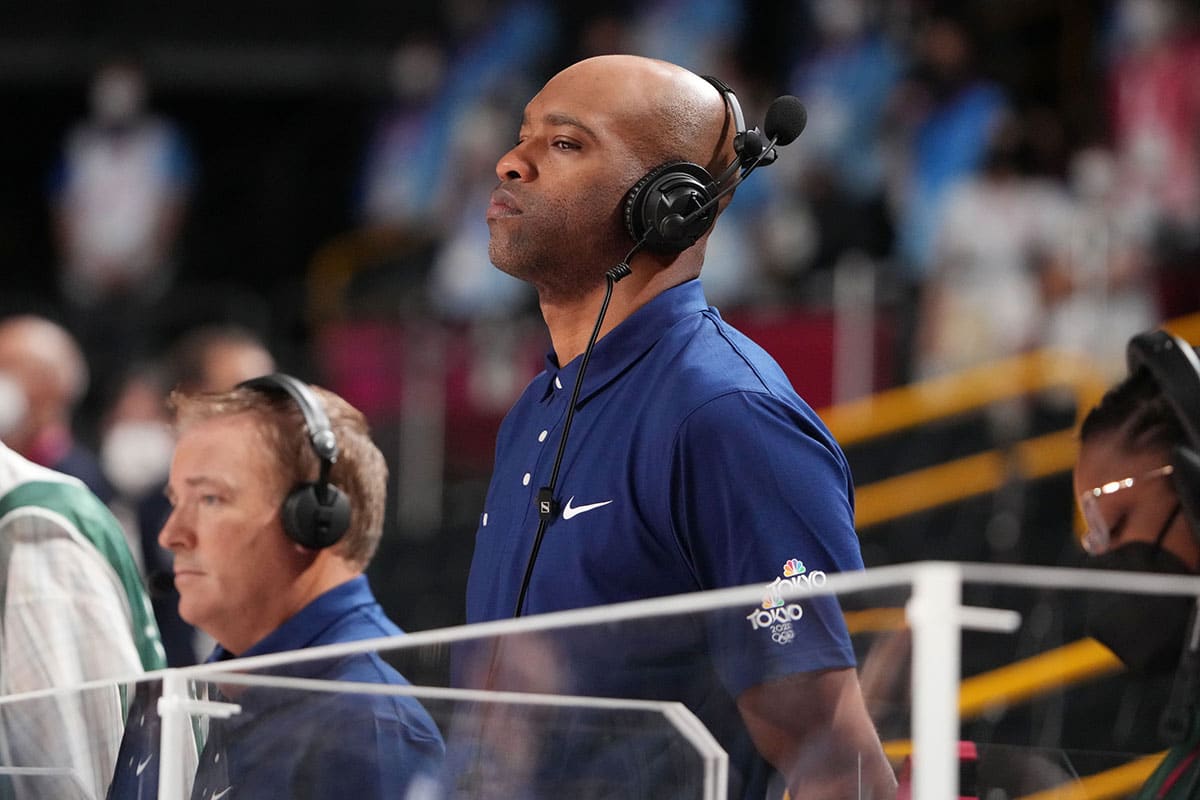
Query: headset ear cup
[(314, 524), (1186, 479), (657, 206)]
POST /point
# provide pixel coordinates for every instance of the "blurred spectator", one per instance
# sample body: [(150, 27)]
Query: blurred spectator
[(1098, 292), (119, 196), (421, 166), (834, 179), (119, 193), (138, 444), (696, 34), (47, 378), (942, 116), (404, 157), (463, 284), (1155, 84), (1155, 94), (218, 356), (997, 231), (947, 114), (845, 82), (411, 169)]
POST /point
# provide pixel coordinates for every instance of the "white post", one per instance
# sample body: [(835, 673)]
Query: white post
[(176, 747), (176, 726), (933, 615)]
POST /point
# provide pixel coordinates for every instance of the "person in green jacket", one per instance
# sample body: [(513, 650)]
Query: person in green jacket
[(72, 609)]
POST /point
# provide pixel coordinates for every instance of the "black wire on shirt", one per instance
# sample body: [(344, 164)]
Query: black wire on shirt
[(547, 505)]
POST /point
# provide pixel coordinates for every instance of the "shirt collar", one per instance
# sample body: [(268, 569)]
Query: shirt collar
[(626, 343), (305, 627)]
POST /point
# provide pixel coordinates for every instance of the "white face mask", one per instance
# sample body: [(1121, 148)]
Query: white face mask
[(136, 456), (14, 405)]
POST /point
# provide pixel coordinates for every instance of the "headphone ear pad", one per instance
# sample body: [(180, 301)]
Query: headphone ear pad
[(657, 205), (1186, 479), (311, 523)]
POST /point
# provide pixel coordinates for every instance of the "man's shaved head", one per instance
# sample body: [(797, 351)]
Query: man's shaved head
[(668, 112)]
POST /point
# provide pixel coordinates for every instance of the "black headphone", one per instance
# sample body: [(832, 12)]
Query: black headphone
[(315, 514), (1172, 364), (660, 209)]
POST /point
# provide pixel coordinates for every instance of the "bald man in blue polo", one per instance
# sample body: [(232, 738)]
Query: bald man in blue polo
[(691, 463)]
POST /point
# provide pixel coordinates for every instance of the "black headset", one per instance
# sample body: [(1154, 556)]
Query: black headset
[(661, 208), (1172, 364), (315, 514)]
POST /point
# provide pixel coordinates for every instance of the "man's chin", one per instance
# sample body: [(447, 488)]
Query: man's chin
[(509, 265)]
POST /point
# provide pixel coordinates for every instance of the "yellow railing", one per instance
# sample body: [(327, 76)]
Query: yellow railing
[(1022, 680), (909, 407), (916, 404), (1110, 784), (1013, 683)]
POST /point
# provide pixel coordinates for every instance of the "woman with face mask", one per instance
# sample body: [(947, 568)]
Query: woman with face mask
[(1137, 478)]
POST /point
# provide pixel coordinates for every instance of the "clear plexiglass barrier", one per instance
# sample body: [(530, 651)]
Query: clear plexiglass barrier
[(979, 681)]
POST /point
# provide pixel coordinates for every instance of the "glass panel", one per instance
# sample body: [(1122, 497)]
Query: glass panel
[(641, 700), (1049, 708), (60, 744)]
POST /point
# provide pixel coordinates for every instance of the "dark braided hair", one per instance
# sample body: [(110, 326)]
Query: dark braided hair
[(1136, 410)]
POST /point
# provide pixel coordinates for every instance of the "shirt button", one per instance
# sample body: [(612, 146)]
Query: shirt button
[(557, 382), (542, 436), (525, 480)]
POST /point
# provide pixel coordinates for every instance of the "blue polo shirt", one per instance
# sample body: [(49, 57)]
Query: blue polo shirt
[(287, 743), (691, 464)]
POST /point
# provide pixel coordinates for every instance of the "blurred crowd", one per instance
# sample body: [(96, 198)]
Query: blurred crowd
[(1000, 177)]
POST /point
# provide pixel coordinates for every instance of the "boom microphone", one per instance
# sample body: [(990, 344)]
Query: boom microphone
[(785, 120)]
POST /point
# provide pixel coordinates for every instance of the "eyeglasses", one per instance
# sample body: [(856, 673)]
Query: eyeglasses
[(1099, 536)]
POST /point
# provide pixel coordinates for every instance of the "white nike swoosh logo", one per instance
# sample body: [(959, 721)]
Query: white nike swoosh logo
[(220, 794), (572, 511), (141, 767)]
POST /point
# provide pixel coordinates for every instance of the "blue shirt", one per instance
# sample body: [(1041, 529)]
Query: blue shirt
[(691, 464), (293, 744)]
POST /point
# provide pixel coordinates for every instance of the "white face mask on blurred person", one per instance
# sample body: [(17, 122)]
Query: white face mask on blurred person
[(13, 404), (136, 456)]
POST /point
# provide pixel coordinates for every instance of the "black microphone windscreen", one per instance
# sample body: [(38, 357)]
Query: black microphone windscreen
[(785, 119)]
